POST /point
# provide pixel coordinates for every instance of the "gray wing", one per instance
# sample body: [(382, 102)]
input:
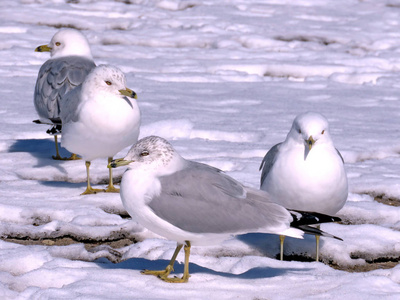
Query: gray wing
[(339, 154), (56, 78), (268, 161), (202, 199), (69, 105)]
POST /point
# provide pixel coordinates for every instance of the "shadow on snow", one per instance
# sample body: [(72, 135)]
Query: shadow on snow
[(42, 149), (160, 264)]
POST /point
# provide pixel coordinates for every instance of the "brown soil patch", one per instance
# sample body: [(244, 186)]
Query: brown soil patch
[(65, 241), (380, 263), (370, 265), (382, 198)]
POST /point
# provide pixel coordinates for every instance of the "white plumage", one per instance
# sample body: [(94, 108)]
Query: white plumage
[(306, 172), (193, 203), (71, 61), (100, 117)]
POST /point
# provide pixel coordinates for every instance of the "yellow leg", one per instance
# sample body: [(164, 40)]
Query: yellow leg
[(111, 188), (281, 239), (57, 157), (168, 269), (89, 189), (73, 157), (163, 274), (317, 243), (185, 277)]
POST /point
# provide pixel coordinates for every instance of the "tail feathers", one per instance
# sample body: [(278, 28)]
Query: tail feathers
[(316, 231), (54, 122), (309, 218), (54, 130), (42, 122), (302, 220)]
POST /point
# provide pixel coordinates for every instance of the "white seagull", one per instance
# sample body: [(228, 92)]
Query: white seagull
[(196, 204), (306, 171), (71, 60), (100, 118)]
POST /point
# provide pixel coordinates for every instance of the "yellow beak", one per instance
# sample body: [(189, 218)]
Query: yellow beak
[(43, 48), (310, 142), (129, 93), (118, 163)]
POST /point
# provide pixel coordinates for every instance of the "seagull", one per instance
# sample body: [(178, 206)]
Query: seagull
[(306, 171), (100, 118), (71, 60), (196, 204)]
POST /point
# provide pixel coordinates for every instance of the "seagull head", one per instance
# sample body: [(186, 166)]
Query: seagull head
[(67, 42), (108, 79), (310, 129), (152, 154)]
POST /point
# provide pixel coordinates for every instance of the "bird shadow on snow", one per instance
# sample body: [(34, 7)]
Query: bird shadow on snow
[(42, 149), (268, 244), (78, 186), (160, 264)]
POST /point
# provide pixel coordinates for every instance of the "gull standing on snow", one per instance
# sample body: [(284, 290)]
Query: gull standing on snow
[(196, 204), (71, 60), (100, 118), (306, 171)]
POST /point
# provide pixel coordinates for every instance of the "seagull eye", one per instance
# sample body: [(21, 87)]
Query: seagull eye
[(58, 43), (109, 82), (323, 131), (144, 153), (299, 130)]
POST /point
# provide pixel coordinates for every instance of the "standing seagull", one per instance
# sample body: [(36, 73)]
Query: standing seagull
[(196, 204), (100, 118), (306, 171), (71, 60)]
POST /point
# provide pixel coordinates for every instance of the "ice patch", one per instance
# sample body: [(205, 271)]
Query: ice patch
[(357, 78), (175, 5), (178, 129), (11, 30), (225, 136), (168, 129), (378, 154)]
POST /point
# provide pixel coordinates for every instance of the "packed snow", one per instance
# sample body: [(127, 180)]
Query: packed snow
[(222, 81)]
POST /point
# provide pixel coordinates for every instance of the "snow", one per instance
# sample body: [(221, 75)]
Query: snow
[(223, 81)]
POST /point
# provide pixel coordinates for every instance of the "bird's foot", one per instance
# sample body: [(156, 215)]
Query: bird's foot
[(90, 191), (111, 189), (72, 157), (163, 275), (159, 273), (58, 157), (175, 279)]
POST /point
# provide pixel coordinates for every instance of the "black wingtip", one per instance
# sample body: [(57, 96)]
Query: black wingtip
[(56, 121), (308, 218), (302, 220), (54, 130), (316, 231)]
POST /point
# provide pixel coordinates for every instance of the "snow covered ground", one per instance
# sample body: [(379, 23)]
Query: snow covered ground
[(223, 81)]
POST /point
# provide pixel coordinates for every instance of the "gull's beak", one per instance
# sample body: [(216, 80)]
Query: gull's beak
[(118, 163), (43, 48), (310, 142), (128, 92)]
